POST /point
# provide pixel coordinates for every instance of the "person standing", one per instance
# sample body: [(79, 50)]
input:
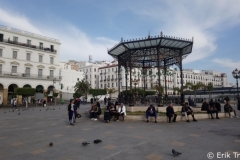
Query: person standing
[(72, 111), (14, 104), (105, 100), (44, 103)]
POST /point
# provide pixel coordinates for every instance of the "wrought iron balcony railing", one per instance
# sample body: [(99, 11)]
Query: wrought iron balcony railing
[(28, 76), (28, 45)]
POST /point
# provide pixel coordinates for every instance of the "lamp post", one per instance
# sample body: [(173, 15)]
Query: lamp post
[(236, 75)]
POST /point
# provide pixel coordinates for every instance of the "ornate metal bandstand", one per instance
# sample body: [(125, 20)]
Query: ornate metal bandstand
[(150, 52)]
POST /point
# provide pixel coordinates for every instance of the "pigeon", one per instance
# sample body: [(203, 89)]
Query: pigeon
[(50, 144), (40, 109), (97, 141), (59, 108), (85, 143), (175, 153), (53, 109), (18, 113), (4, 112)]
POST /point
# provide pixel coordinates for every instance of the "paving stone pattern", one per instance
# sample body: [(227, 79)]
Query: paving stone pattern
[(27, 137)]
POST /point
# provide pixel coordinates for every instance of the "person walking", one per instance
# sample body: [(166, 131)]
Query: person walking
[(14, 104)]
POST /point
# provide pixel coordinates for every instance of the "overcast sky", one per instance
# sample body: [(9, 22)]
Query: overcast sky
[(91, 27)]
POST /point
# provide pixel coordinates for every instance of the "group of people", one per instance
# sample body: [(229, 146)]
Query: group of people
[(171, 115), (110, 112), (211, 108), (215, 107)]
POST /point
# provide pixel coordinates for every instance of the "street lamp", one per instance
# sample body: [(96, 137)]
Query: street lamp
[(236, 75)]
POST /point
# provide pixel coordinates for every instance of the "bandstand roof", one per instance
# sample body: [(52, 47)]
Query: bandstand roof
[(169, 47)]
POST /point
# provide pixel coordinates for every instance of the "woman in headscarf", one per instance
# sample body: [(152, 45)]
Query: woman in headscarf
[(72, 110)]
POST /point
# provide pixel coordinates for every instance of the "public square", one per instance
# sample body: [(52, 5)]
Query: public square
[(27, 137)]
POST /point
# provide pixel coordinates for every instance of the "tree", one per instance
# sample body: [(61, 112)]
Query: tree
[(158, 89), (82, 87), (209, 87), (97, 92), (111, 91), (194, 87), (179, 90), (55, 96), (25, 92), (76, 95)]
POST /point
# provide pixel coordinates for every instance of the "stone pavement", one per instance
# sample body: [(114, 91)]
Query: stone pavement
[(27, 137)]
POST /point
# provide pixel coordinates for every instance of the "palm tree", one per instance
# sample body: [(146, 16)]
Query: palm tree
[(194, 87), (82, 87), (177, 89), (209, 87), (158, 89), (111, 91)]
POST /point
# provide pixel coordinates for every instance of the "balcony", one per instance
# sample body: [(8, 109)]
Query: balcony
[(112, 79), (28, 46), (28, 76), (108, 79)]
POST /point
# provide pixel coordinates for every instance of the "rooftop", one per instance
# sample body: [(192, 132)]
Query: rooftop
[(29, 34)]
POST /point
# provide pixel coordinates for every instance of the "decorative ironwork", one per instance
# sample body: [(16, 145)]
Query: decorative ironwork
[(152, 52)]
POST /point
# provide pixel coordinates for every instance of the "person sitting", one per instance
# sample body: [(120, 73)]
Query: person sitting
[(121, 112), (186, 110), (170, 113), (218, 106), (205, 106), (113, 110), (107, 115), (212, 109), (228, 108), (90, 111), (93, 112), (151, 112)]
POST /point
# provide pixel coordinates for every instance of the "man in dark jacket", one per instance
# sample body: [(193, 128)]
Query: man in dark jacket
[(151, 112), (186, 110), (212, 109), (204, 106), (170, 113)]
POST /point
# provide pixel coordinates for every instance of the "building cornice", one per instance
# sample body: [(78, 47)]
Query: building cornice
[(15, 63), (40, 66), (28, 64), (1, 61), (51, 67)]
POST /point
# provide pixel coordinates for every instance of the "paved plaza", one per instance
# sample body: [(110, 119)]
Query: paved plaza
[(27, 137)]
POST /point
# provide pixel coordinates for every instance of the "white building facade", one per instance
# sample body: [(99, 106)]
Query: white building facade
[(108, 78), (27, 60)]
